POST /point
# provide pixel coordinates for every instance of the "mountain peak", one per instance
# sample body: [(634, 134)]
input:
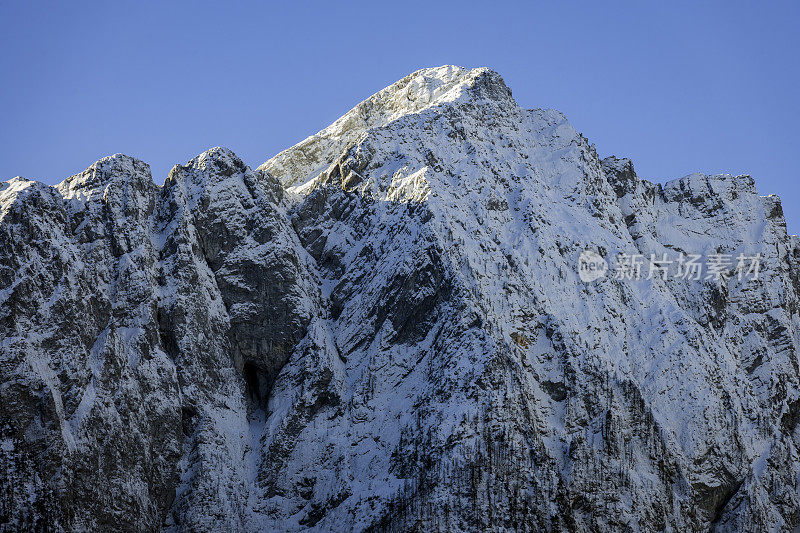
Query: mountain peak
[(430, 86), (465, 309), (420, 90), (117, 168)]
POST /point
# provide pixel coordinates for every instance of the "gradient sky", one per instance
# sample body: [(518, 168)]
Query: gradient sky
[(677, 88)]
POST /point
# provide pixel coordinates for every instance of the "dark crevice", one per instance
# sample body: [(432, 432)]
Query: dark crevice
[(723, 504), (256, 383)]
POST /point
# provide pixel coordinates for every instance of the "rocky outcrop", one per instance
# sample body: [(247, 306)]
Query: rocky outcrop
[(141, 327), (384, 329)]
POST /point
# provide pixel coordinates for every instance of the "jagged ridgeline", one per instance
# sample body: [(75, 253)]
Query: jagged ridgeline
[(383, 328)]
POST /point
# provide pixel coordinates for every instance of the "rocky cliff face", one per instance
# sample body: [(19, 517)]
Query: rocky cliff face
[(383, 328)]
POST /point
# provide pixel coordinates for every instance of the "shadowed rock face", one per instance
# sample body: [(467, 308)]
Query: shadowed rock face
[(130, 314), (246, 242), (390, 335)]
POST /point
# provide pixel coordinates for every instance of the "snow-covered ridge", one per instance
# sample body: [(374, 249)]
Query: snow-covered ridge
[(125, 175), (101, 174), (423, 89)]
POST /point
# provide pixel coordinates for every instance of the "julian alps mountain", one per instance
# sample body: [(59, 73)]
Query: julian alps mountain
[(383, 328)]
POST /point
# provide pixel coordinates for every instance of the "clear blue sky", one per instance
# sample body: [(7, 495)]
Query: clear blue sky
[(677, 87)]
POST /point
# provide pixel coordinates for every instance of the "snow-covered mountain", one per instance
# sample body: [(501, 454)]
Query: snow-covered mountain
[(384, 328)]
